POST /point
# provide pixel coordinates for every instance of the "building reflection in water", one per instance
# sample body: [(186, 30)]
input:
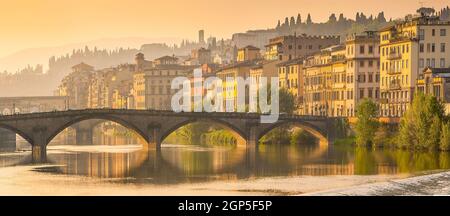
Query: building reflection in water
[(188, 163)]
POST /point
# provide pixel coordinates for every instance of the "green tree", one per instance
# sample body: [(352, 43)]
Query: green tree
[(420, 127), (288, 102), (445, 137), (367, 123)]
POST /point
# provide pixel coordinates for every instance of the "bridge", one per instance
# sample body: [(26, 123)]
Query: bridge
[(154, 126)]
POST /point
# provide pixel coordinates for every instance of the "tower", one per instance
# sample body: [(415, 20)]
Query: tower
[(201, 37)]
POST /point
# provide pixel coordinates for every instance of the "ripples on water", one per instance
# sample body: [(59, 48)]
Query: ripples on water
[(181, 163)]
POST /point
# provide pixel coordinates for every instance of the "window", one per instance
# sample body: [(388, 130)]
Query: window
[(422, 48), (421, 34), (361, 63), (428, 47), (433, 32), (443, 32), (370, 91), (361, 93), (433, 63), (290, 46), (370, 49), (299, 46), (428, 62), (433, 47), (421, 63), (442, 63), (370, 63), (370, 78), (361, 49), (442, 47)]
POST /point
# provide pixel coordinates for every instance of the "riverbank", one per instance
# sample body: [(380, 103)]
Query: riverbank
[(27, 180)]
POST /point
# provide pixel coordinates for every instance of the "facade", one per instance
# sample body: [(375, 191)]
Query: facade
[(362, 70), (152, 86), (229, 74), (76, 86), (407, 48), (290, 74), (201, 56), (436, 82), (248, 53), (285, 48)]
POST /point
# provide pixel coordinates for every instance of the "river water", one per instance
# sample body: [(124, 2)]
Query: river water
[(194, 169)]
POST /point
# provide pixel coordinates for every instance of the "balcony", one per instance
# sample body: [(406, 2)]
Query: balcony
[(394, 86), (394, 55), (394, 71)]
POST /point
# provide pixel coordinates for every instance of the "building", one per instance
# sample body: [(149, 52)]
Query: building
[(229, 75), (407, 48), (289, 47), (201, 37), (110, 87), (257, 38), (436, 82), (248, 53), (166, 60), (76, 86), (362, 69), (202, 56), (152, 86), (290, 74)]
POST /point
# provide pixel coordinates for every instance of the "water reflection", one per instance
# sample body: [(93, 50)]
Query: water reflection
[(181, 163)]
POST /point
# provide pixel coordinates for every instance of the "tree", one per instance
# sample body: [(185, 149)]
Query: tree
[(287, 103), (299, 20), (444, 144), (367, 123), (292, 22), (420, 127), (309, 19)]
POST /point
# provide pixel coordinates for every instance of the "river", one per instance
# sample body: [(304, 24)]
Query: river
[(208, 170)]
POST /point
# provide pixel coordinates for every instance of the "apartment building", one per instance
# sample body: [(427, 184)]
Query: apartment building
[(289, 47), (407, 48), (290, 75), (436, 82), (362, 69)]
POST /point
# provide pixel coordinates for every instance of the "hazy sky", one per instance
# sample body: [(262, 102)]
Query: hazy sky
[(37, 23)]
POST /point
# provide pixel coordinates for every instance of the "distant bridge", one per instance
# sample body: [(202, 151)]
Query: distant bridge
[(154, 126)]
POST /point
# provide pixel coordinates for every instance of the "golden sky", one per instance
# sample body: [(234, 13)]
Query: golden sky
[(37, 23)]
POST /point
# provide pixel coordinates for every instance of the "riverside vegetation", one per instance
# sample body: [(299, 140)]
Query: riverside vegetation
[(424, 126)]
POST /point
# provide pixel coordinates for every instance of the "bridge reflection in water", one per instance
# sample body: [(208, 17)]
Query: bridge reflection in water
[(177, 163)]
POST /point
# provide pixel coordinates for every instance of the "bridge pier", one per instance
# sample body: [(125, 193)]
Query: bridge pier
[(154, 136), (39, 153), (252, 138), (39, 145)]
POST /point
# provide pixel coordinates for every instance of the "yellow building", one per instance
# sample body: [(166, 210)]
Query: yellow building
[(290, 74), (248, 53), (406, 49), (231, 72), (362, 69)]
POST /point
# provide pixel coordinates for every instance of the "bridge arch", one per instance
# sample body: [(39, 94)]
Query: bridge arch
[(111, 118), (238, 133), (314, 130), (18, 131)]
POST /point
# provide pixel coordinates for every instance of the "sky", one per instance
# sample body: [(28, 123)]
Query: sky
[(39, 23)]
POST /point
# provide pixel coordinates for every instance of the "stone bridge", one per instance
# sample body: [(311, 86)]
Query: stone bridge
[(154, 126)]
